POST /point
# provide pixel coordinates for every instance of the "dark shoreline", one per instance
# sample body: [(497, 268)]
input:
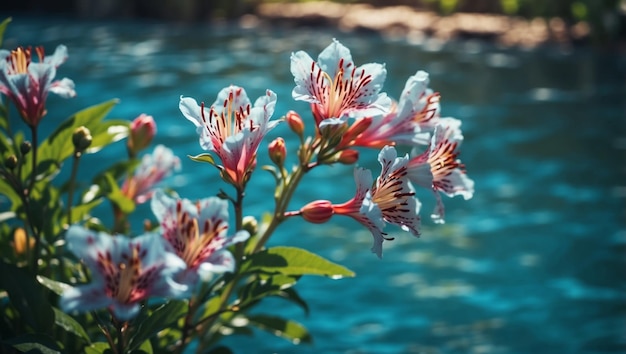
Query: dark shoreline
[(416, 25)]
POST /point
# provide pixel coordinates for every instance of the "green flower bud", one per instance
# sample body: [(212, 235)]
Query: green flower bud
[(11, 162), (25, 147), (81, 139)]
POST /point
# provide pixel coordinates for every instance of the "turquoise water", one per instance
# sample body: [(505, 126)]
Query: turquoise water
[(535, 262)]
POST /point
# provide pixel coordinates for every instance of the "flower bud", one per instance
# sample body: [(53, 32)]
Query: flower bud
[(20, 238), (25, 147), (278, 151), (348, 157), (250, 224), (317, 212), (11, 162), (142, 131), (357, 128), (295, 122), (81, 139)]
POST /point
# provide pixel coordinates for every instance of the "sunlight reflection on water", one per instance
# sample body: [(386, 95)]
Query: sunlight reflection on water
[(540, 247)]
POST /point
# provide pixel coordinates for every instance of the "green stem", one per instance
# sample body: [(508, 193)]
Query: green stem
[(282, 204), (239, 247), (105, 330), (33, 177), (121, 341), (70, 196)]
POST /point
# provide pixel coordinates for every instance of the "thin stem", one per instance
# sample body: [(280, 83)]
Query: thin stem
[(29, 191), (239, 247), (33, 172), (121, 341), (281, 205), (104, 330), (70, 196)]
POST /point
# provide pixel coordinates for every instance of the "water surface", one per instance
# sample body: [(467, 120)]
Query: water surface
[(535, 262)]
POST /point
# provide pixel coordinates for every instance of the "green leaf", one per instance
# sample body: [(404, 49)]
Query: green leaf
[(58, 146), (162, 317), (28, 297), (81, 211), (98, 348), (292, 295), (117, 170), (294, 261), (3, 27), (9, 192), (209, 308), (293, 331), (34, 343), (114, 193), (69, 324), (56, 286), (203, 158), (145, 348)]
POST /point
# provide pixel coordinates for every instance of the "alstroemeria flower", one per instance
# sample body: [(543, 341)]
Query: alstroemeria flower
[(232, 128), (410, 122), (439, 168), (124, 272), (336, 87), (197, 233), (27, 83), (390, 200), (153, 168)]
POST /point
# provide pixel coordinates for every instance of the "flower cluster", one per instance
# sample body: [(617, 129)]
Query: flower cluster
[(192, 268), (338, 90)]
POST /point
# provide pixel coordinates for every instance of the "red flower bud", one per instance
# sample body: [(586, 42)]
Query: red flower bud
[(142, 131), (348, 157), (317, 212), (278, 151), (295, 122)]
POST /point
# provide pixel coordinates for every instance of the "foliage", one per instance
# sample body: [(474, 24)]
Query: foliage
[(72, 283)]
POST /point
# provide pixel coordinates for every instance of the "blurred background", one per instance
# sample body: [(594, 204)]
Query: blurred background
[(535, 262)]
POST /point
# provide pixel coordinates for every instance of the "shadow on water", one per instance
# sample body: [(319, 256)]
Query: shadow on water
[(534, 262)]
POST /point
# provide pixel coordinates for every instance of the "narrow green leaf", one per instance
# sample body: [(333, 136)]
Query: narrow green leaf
[(35, 343), (145, 348), (210, 308), (114, 193), (292, 295), (69, 324), (98, 348), (203, 158), (293, 331), (9, 192), (28, 297), (106, 133), (56, 286), (3, 27), (162, 317), (81, 211), (294, 261)]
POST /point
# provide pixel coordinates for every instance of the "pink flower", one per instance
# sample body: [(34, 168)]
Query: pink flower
[(233, 129), (153, 168), (439, 168), (336, 87), (390, 200), (196, 232), (410, 122), (27, 83)]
